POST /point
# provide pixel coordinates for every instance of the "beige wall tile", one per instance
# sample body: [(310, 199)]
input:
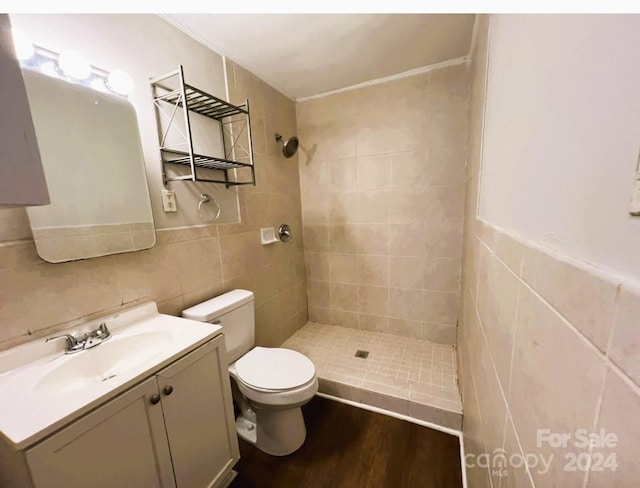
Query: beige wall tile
[(619, 416), (172, 306), (268, 318), (585, 298), (516, 476), (625, 342), (497, 304), (443, 240), (440, 333), (406, 328), (408, 207), (18, 253), (344, 318), (343, 238), (510, 251), (344, 297), (555, 383), (373, 300), (38, 296), (151, 274), (374, 172), (375, 323), (343, 208), (344, 268), (319, 314), (407, 239), (316, 238), (188, 264), (405, 304), (395, 200), (406, 272), (14, 224), (343, 175), (372, 238), (318, 266), (199, 264), (372, 207), (442, 274), (444, 166), (319, 293), (373, 270), (409, 170), (315, 206), (440, 307)]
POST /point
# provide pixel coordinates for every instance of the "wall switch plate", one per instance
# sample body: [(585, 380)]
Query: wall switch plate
[(169, 201)]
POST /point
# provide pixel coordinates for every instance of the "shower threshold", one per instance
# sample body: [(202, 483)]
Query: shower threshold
[(408, 376)]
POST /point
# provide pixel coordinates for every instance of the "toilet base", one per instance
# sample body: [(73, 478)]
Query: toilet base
[(276, 432), (246, 429), (280, 431)]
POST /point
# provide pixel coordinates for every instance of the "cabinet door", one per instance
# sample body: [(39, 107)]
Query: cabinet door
[(21, 176), (121, 444), (198, 415)]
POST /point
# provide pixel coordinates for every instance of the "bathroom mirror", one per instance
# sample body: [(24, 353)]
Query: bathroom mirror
[(92, 157)]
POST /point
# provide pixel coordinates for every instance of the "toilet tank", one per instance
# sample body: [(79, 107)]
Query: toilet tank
[(234, 310)]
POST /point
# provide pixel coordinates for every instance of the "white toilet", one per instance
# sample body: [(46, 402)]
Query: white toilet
[(269, 385)]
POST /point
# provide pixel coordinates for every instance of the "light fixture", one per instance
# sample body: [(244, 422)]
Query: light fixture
[(22, 44), (119, 82), (49, 68), (71, 66), (74, 65), (98, 84)]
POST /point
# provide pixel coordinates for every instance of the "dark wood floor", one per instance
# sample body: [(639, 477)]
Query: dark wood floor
[(350, 447)]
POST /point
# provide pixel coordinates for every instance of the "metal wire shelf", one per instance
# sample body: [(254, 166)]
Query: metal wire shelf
[(202, 103), (200, 161), (194, 100)]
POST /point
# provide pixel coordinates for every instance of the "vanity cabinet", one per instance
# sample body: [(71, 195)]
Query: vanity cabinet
[(174, 429), (22, 180)]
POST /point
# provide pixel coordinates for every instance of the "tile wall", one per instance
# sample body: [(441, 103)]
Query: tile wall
[(188, 264), (382, 172), (544, 342)]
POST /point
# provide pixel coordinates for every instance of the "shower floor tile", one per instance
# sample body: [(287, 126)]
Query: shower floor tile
[(408, 376)]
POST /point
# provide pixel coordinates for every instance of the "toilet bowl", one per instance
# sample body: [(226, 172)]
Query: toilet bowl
[(269, 385)]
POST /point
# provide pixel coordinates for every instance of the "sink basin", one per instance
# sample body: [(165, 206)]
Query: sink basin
[(50, 389), (103, 362)]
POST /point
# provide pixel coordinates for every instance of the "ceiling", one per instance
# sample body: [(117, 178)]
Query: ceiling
[(308, 54)]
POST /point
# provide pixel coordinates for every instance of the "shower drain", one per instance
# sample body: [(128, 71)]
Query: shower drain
[(362, 354)]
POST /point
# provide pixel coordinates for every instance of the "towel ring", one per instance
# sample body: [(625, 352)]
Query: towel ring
[(205, 198)]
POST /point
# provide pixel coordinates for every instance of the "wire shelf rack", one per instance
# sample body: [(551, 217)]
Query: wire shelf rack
[(234, 122)]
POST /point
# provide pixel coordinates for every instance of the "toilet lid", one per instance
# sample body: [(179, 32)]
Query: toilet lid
[(273, 368)]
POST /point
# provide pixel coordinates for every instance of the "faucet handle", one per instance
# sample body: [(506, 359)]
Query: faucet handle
[(72, 342), (103, 328)]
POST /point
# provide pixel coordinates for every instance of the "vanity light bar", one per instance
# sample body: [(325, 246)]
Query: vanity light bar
[(70, 66)]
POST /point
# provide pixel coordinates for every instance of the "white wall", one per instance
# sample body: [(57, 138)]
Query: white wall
[(564, 174), (145, 46)]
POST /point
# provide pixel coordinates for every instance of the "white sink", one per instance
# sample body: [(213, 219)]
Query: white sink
[(46, 388), (104, 362)]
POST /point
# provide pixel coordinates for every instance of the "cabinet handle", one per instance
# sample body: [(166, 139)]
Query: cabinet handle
[(168, 390), (155, 399)]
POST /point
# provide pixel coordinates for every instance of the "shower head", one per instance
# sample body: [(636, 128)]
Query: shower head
[(289, 147)]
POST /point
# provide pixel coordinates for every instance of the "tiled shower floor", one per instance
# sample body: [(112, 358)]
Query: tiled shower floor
[(404, 375)]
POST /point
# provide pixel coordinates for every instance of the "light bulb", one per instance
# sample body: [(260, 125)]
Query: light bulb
[(74, 65), (49, 68), (22, 44), (120, 82), (98, 84)]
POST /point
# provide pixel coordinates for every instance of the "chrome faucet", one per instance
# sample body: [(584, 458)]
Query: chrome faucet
[(85, 341)]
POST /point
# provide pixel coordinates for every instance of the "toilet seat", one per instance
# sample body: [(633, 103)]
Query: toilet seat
[(271, 369)]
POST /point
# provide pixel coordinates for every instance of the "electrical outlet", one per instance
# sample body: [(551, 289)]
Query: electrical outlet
[(169, 201)]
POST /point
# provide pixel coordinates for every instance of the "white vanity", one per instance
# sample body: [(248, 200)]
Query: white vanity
[(151, 406)]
